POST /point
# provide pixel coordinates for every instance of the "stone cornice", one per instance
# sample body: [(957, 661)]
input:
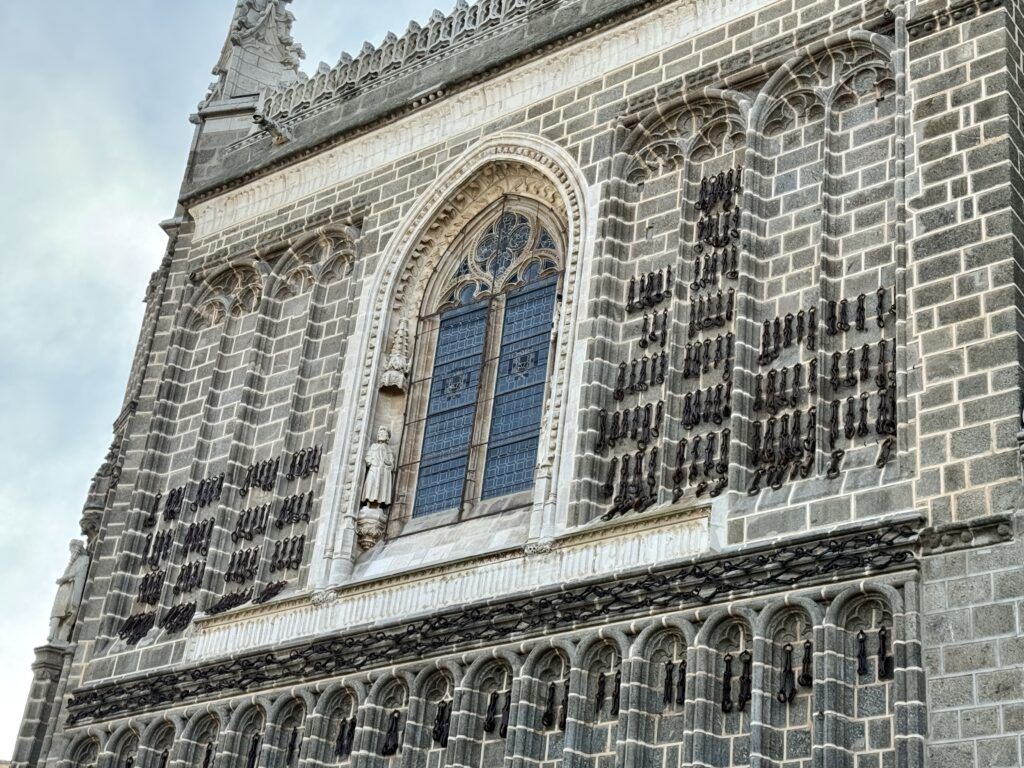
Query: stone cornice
[(966, 534), (804, 561), (931, 20), (307, 170), (378, 99)]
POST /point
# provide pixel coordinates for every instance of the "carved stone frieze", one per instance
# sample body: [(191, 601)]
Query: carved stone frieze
[(702, 582), (475, 107)]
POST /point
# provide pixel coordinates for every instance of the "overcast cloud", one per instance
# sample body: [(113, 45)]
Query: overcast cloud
[(96, 99)]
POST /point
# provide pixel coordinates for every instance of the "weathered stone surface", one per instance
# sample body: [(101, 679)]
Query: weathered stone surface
[(244, 608)]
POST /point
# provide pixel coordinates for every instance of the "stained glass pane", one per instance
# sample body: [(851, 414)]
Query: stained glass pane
[(450, 410), (546, 241), (519, 390)]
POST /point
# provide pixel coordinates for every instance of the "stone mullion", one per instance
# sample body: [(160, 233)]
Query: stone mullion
[(487, 387), (417, 742), (676, 386), (370, 733), (829, 270), (466, 729), (577, 728), (908, 688), (241, 453), (323, 526), (312, 339), (634, 742), (188, 749), (289, 442), (753, 273), (521, 708), (317, 747), (149, 756), (274, 749), (904, 141)]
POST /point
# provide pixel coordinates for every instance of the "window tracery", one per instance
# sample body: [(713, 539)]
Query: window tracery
[(485, 338)]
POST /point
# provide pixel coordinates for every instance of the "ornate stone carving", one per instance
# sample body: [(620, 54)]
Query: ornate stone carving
[(107, 476), (540, 547), (259, 52), (396, 369), (856, 554), (69, 593), (472, 108), (370, 527), (324, 597), (234, 292), (969, 534), (696, 129), (462, 26), (378, 487)]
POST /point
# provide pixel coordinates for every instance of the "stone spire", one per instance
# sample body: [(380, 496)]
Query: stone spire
[(259, 52)]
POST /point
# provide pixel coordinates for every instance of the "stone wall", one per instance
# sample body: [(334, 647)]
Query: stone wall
[(791, 239)]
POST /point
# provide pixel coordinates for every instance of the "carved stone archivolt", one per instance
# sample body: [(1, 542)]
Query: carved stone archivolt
[(507, 165)]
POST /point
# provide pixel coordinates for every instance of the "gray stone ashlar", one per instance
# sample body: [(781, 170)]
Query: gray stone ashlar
[(638, 651), (957, 301)]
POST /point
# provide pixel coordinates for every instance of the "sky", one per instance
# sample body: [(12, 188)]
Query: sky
[(95, 112)]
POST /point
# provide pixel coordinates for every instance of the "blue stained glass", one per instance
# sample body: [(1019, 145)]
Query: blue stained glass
[(450, 410), (519, 394)]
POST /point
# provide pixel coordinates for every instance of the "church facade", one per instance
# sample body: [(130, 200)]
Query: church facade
[(572, 382)]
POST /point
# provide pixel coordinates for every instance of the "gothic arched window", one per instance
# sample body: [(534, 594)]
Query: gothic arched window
[(484, 344)]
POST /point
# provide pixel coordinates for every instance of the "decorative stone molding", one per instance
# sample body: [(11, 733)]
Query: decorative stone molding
[(441, 36), (967, 534), (467, 111), (543, 547), (324, 597), (955, 14), (580, 555), (590, 602)]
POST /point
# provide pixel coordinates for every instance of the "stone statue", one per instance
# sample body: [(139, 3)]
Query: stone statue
[(377, 490), (380, 471), (70, 587), (397, 366)]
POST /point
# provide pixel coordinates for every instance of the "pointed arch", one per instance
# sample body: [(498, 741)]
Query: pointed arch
[(471, 183)]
